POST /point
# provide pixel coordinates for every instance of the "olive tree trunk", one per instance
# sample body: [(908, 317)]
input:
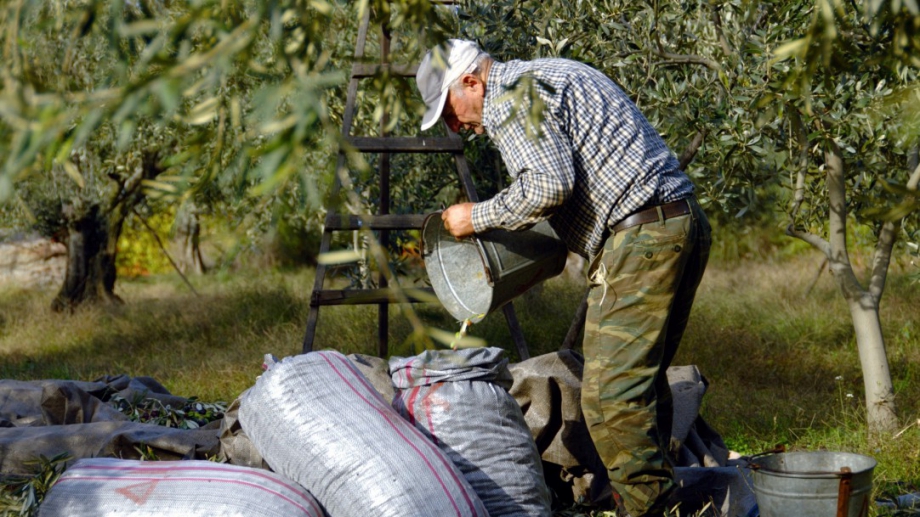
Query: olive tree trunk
[(92, 232), (863, 302), (90, 274), (191, 261)]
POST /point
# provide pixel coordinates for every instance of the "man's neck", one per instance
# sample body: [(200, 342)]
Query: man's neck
[(484, 73)]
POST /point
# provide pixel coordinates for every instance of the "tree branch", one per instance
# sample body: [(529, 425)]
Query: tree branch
[(717, 22), (684, 59), (689, 59), (882, 258), (690, 152), (126, 188), (814, 281), (12, 53), (799, 192), (163, 249), (914, 181), (887, 238), (817, 242)]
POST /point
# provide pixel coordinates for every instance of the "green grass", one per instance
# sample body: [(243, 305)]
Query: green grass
[(781, 364)]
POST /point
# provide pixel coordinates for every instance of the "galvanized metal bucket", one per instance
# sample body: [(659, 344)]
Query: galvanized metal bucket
[(813, 484), (475, 276)]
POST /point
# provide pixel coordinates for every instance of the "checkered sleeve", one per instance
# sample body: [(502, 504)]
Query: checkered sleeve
[(543, 178)]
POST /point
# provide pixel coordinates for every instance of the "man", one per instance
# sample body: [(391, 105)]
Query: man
[(614, 193)]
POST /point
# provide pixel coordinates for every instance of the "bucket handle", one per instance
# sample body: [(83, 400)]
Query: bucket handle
[(844, 489)]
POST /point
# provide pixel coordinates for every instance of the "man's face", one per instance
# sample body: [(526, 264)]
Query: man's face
[(464, 110)]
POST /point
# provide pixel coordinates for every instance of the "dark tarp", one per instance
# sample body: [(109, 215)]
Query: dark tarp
[(52, 416)]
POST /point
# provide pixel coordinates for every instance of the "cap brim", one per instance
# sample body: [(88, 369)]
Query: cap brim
[(434, 112)]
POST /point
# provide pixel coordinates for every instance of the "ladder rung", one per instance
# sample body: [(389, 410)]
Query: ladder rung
[(396, 144), (374, 222), (369, 296), (362, 70)]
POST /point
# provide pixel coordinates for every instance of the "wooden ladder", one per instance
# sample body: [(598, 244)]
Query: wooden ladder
[(384, 222)]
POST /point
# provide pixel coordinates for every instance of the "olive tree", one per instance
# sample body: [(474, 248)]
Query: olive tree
[(107, 102), (94, 181), (852, 100)]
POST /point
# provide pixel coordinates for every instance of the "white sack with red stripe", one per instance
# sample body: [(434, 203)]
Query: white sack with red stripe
[(459, 399), (316, 419), (109, 487)]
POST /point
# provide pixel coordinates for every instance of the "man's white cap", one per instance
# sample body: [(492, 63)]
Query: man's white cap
[(439, 68)]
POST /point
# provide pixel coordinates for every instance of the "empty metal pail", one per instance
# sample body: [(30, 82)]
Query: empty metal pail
[(813, 484), (474, 276)]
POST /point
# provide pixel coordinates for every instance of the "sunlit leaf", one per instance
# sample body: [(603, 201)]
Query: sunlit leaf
[(125, 134), (167, 91), (450, 339), (160, 186), (790, 49), (73, 173), (139, 28), (6, 188), (322, 6), (339, 257), (205, 112)]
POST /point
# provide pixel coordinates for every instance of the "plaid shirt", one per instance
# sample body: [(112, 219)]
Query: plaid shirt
[(598, 161)]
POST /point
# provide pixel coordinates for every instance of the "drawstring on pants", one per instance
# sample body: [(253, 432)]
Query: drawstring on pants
[(600, 277)]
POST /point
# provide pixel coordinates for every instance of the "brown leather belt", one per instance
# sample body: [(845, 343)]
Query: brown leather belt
[(650, 215)]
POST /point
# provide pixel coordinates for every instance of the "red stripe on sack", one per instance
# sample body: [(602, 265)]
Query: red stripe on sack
[(151, 468), (408, 370), (413, 394), (448, 465), (344, 360), (445, 462), (230, 481), (371, 391), (426, 403)]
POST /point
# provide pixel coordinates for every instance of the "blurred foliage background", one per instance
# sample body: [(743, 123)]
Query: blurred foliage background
[(213, 124)]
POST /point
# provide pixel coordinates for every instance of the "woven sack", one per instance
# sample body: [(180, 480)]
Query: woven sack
[(317, 420), (108, 487), (459, 400)]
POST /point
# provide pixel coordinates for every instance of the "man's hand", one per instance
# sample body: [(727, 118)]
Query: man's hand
[(458, 220)]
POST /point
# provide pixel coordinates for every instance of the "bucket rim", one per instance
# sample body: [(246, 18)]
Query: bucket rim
[(845, 471)]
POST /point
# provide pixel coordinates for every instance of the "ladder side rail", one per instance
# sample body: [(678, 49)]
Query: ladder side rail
[(326, 242), (383, 309)]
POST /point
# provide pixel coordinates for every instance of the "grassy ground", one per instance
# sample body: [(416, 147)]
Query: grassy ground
[(781, 359)]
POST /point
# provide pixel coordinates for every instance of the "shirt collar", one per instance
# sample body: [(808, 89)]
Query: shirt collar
[(494, 89)]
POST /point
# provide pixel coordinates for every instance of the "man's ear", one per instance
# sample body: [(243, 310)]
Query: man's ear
[(470, 81)]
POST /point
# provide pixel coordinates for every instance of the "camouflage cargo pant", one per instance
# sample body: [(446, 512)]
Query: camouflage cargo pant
[(642, 287)]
